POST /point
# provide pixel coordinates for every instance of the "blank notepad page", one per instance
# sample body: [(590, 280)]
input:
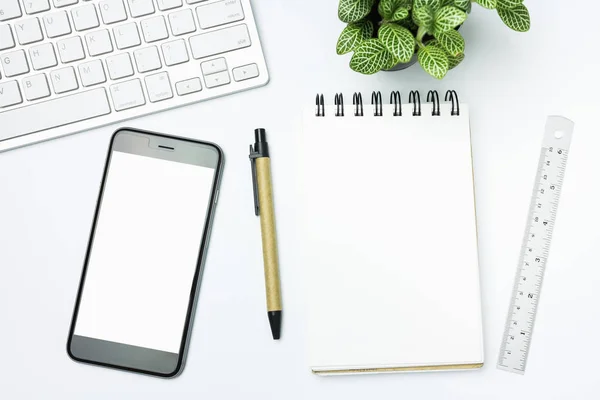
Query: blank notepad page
[(389, 242)]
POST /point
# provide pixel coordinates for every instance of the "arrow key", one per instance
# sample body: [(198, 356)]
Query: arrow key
[(214, 66), (246, 72), (188, 86), (218, 79)]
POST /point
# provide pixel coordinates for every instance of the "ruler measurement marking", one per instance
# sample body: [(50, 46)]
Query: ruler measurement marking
[(520, 323)]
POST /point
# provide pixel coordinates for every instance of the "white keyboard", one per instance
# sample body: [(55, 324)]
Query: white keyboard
[(71, 65)]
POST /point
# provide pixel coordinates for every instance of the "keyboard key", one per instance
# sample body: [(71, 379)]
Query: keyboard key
[(188, 86), (64, 3), (36, 87), (214, 66), (154, 29), (159, 87), (64, 80), (147, 59), (29, 31), (119, 66), (9, 9), (168, 4), (182, 22), (7, 41), (85, 17), (98, 42), (246, 72), (43, 56), (36, 6), (139, 8), (53, 113), (127, 36), (127, 95), (57, 24), (175, 52), (92, 73), (218, 79), (112, 11), (221, 41), (9, 96), (70, 49), (194, 1), (220, 13), (14, 63)]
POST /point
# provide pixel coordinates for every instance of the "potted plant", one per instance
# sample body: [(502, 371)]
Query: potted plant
[(394, 34)]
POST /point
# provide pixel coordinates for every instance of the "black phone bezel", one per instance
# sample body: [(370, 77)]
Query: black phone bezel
[(199, 265)]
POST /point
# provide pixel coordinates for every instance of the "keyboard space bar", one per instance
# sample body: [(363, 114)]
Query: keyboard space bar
[(53, 113)]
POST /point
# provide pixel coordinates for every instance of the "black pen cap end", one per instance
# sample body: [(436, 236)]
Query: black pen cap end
[(260, 135), (275, 322)]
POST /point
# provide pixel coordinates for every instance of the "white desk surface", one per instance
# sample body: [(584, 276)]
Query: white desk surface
[(511, 81)]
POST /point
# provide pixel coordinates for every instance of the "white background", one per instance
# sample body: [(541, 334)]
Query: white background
[(145, 252), (512, 82)]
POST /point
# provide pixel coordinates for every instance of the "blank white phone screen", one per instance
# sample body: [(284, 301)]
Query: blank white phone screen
[(145, 252)]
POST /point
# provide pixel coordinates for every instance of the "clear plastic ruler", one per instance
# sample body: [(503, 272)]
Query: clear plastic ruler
[(518, 330)]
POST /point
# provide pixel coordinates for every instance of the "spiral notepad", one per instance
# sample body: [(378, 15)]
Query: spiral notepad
[(388, 235)]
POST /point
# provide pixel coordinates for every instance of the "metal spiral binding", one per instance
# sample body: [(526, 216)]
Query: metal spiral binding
[(433, 96), (339, 105), (415, 99), (396, 99), (320, 112), (358, 104), (378, 103), (452, 96)]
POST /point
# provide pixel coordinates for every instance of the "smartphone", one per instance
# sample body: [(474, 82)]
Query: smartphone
[(149, 239)]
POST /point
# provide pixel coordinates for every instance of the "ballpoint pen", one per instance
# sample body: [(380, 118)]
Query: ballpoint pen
[(263, 206)]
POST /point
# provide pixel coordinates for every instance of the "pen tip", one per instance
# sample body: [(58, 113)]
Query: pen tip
[(275, 322)]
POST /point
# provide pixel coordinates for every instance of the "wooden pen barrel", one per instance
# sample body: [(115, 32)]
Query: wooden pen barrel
[(269, 234)]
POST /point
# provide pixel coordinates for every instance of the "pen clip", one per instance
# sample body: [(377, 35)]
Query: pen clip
[(253, 156)]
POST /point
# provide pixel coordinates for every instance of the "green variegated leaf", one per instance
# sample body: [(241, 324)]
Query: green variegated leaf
[(424, 16), (386, 8), (489, 4), (452, 42), (434, 61), (408, 4), (447, 2), (353, 35), (452, 60), (399, 41), (391, 63), (368, 30), (371, 56), (400, 14), (434, 4), (508, 4), (354, 10), (464, 5), (448, 18), (516, 18), (408, 24)]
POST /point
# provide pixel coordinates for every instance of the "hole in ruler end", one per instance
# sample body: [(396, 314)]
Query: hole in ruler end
[(559, 134)]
